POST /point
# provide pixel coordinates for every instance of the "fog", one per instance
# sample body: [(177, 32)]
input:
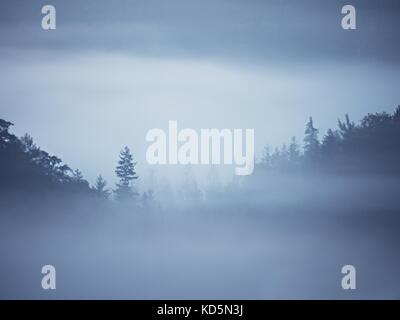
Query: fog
[(251, 243)]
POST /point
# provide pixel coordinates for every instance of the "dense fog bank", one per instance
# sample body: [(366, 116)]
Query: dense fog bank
[(284, 242)]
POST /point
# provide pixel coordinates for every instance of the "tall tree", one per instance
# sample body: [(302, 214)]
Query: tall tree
[(126, 173), (311, 142)]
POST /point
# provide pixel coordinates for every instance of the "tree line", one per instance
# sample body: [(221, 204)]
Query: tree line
[(372, 146), (25, 168)]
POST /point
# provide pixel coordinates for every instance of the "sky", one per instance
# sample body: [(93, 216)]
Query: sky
[(112, 70)]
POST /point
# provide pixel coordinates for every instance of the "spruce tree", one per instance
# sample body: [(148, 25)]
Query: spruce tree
[(126, 173), (311, 142), (100, 188)]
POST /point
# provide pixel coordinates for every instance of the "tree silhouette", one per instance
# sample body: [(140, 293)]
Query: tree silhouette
[(126, 173), (346, 128), (5, 137), (331, 145), (100, 188), (311, 142), (294, 151), (372, 146), (26, 169)]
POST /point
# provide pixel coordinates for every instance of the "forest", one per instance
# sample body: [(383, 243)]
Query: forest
[(371, 147), (283, 232)]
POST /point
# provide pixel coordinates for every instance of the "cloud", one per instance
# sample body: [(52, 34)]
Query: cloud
[(247, 32)]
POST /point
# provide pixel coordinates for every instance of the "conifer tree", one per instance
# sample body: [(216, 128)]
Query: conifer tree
[(311, 142), (126, 173), (100, 188)]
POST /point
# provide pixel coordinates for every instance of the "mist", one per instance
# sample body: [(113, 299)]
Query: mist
[(267, 242), (77, 192), (96, 103)]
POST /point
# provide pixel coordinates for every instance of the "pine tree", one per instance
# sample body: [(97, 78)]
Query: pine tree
[(294, 151), (100, 188), (77, 176), (311, 142), (126, 173)]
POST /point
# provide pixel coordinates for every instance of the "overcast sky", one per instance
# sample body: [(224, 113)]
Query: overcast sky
[(112, 70)]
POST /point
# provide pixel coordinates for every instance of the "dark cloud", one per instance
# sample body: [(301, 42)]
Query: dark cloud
[(252, 31)]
